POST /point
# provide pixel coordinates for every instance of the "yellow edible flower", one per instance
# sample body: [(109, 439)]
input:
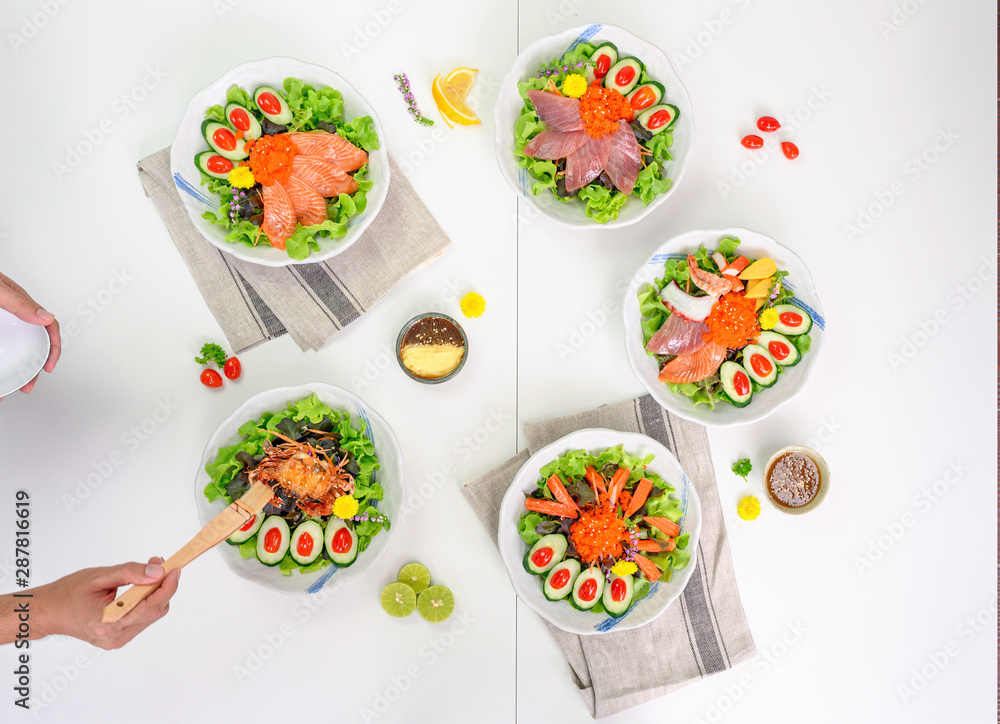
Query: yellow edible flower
[(345, 507), (574, 85), (749, 508), (624, 568), (473, 304), (768, 318), (241, 177)]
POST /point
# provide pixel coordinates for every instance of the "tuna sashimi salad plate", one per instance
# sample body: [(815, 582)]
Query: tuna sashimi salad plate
[(318, 454), (723, 327), (281, 162), (593, 126), (599, 529)]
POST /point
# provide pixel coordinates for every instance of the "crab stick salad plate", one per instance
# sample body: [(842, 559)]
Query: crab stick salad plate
[(593, 126), (723, 327), (280, 162), (598, 531), (334, 467)]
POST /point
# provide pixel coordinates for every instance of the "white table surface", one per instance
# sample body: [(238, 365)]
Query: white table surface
[(846, 605)]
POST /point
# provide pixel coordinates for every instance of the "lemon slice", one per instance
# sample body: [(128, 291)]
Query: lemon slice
[(461, 79), (398, 600), (436, 604), (416, 576), (451, 105)]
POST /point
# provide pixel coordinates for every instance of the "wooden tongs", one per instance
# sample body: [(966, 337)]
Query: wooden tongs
[(218, 529)]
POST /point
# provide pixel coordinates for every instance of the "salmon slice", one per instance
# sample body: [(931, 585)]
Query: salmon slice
[(308, 203), (323, 176), (695, 366), (552, 145), (678, 336), (625, 159), (330, 147), (557, 112), (279, 216)]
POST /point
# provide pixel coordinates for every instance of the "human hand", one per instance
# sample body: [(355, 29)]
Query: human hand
[(73, 605), (19, 303)]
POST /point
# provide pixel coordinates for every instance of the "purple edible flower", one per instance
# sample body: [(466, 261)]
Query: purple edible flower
[(404, 88)]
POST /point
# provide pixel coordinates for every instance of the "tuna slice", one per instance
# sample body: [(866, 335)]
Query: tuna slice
[(322, 175), (695, 366), (553, 145), (279, 216), (557, 112), (308, 203), (586, 163), (625, 159), (330, 147), (694, 308), (678, 336)]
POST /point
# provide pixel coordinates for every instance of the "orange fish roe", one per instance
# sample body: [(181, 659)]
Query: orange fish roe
[(271, 158), (601, 109), (598, 534), (732, 322)]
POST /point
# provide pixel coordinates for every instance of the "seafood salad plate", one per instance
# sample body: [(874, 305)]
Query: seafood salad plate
[(599, 531), (280, 162), (723, 327), (593, 127), (335, 469)]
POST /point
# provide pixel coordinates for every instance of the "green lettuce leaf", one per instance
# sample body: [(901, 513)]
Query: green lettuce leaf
[(526, 527)]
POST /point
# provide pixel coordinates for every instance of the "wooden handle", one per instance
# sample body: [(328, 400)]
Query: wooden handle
[(218, 529)]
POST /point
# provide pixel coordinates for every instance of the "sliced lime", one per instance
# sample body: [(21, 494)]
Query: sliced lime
[(398, 600), (416, 576), (436, 604)]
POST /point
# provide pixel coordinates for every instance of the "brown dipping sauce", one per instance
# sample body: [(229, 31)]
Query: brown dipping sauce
[(432, 348), (794, 480), (433, 330)]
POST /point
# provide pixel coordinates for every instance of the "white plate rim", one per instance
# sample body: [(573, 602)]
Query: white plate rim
[(32, 366)]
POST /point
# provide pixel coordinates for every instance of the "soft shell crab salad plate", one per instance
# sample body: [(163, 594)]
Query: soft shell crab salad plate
[(723, 327), (280, 162), (593, 126), (335, 468), (598, 531)]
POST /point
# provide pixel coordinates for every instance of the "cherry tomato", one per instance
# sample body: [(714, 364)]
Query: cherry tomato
[(768, 124), (752, 141), (789, 149), (211, 378), (232, 368)]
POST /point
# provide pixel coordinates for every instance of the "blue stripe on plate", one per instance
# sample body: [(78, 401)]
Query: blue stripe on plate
[(327, 575), (185, 185), (610, 622), (356, 220), (585, 36), (820, 322), (660, 258)]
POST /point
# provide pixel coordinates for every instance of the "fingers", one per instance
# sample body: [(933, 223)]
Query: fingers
[(30, 386), (55, 345), (16, 301), (154, 607), (115, 576), (156, 559)]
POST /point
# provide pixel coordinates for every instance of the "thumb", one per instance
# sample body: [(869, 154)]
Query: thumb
[(120, 575), (22, 306)]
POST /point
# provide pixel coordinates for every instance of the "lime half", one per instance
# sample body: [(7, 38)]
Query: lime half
[(398, 600), (416, 576), (436, 604)]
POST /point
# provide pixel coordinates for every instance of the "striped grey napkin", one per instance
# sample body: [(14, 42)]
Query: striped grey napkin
[(704, 632), (311, 302)]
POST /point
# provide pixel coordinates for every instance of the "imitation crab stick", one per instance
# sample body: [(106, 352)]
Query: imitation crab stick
[(616, 485), (639, 496), (648, 568), (550, 508), (667, 526), (597, 480), (654, 546), (562, 495)]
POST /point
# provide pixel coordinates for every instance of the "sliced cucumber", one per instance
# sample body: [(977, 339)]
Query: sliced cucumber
[(213, 164), (559, 583), (242, 119), (736, 384), (272, 105), (247, 531), (792, 321), (645, 96), (546, 553), (782, 350), (624, 75), (341, 542), (658, 118), (221, 138), (618, 594), (760, 365), (588, 589), (605, 56), (307, 542), (272, 540)]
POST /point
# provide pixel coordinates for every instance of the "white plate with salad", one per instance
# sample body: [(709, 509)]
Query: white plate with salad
[(336, 469), (722, 327), (280, 162), (599, 531), (594, 127)]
